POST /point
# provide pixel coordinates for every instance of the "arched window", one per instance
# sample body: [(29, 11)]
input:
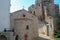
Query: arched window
[(3, 37), (16, 38)]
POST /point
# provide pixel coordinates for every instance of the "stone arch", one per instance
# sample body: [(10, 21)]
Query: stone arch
[(3, 37)]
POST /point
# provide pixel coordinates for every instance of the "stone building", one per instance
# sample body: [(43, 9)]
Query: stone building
[(38, 23)]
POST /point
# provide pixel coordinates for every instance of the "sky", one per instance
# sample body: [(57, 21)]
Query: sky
[(20, 4)]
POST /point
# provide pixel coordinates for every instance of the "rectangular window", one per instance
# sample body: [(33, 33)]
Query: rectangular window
[(27, 27)]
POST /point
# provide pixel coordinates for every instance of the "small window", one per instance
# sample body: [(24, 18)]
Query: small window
[(23, 15), (13, 30), (27, 27), (4, 29), (34, 12)]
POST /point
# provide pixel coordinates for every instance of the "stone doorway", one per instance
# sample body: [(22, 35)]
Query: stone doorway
[(16, 38), (26, 37)]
